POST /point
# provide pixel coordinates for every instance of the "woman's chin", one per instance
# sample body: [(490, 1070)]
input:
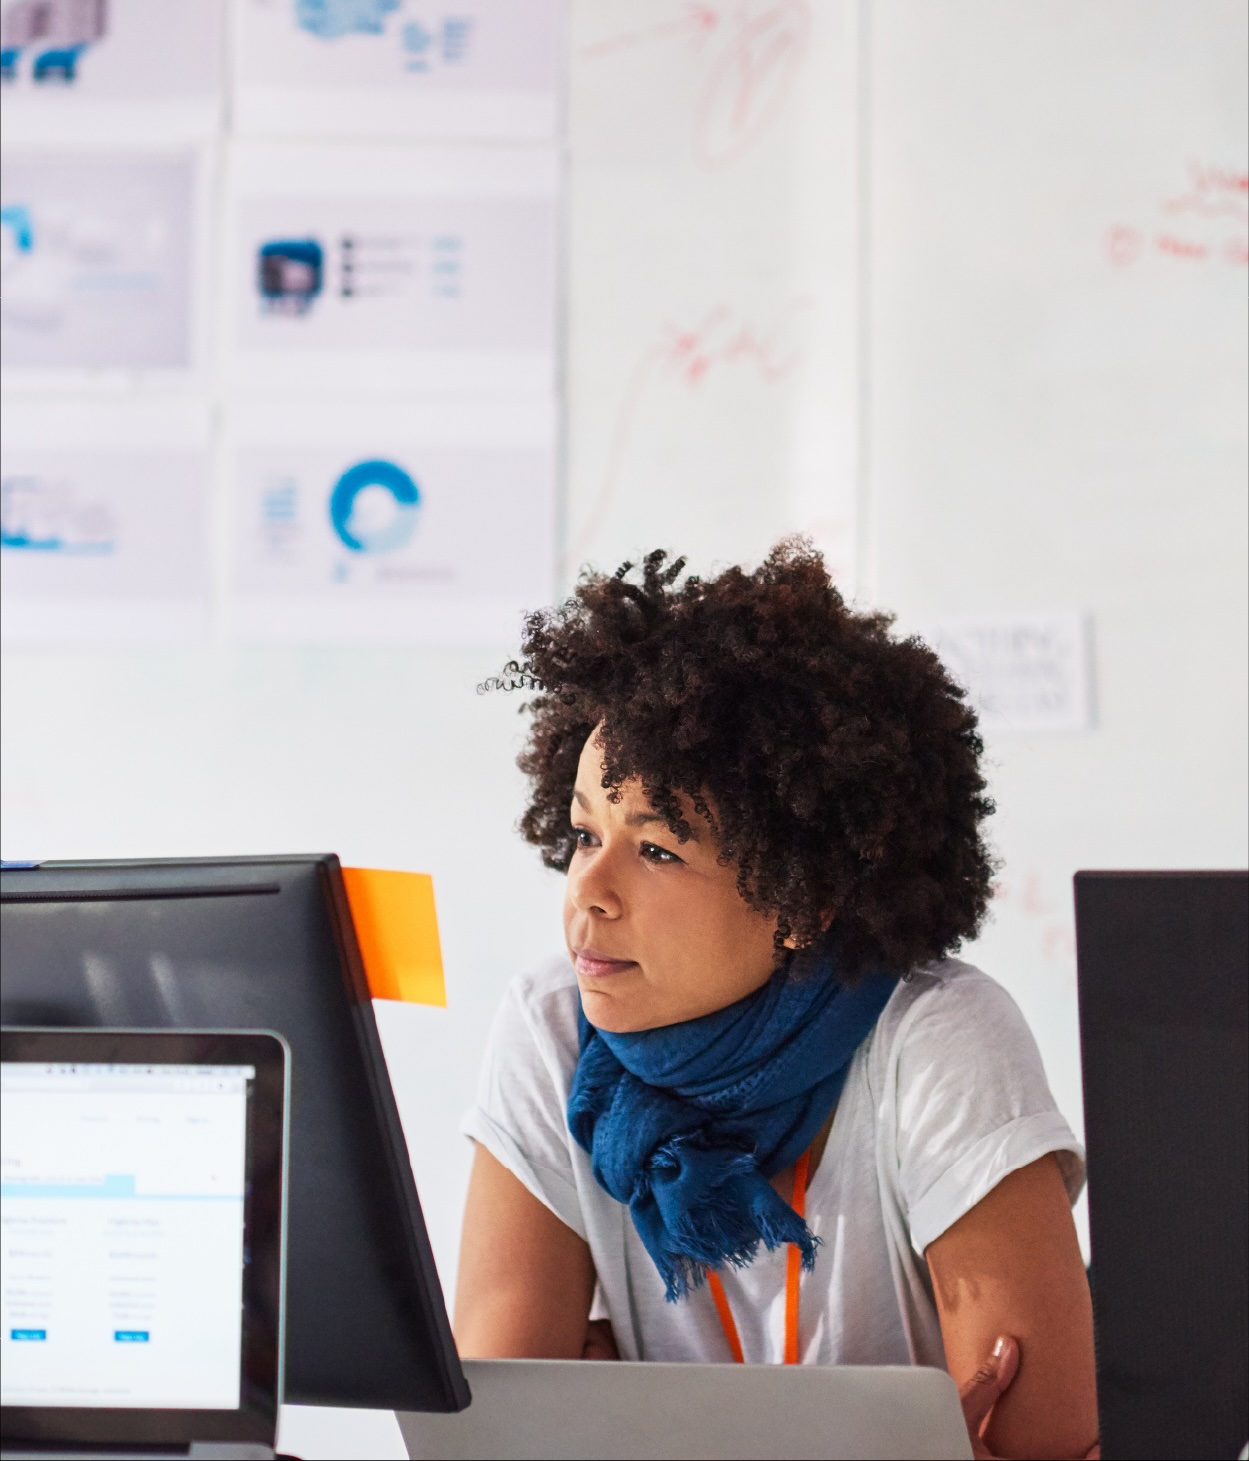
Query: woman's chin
[(614, 1010)]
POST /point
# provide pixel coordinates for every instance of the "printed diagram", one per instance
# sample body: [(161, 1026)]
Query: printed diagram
[(405, 275), (373, 507), (103, 543), (95, 261), (371, 511), (399, 542), (291, 272), (480, 68), (47, 38), (424, 44), (45, 515)]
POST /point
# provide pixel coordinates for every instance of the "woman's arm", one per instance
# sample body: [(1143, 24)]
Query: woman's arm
[(526, 1280), (1012, 1266)]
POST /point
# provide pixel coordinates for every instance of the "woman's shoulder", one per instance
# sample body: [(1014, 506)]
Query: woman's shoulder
[(540, 1009), (949, 1020), (949, 997)]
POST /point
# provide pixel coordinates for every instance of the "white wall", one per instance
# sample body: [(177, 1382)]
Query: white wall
[(1050, 429), (1033, 428)]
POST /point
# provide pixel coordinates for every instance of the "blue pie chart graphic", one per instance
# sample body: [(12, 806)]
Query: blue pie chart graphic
[(367, 531)]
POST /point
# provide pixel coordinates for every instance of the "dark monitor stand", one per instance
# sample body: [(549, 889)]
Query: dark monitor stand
[(263, 943), (1164, 1026)]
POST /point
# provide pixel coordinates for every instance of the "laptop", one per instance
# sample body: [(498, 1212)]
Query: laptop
[(142, 1209), (592, 1410)]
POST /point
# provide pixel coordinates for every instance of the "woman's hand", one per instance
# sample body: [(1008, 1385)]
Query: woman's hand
[(1012, 1266), (986, 1387), (600, 1342)]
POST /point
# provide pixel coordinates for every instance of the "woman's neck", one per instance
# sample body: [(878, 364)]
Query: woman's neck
[(783, 1182)]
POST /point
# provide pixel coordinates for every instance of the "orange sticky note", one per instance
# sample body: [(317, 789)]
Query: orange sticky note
[(397, 930)]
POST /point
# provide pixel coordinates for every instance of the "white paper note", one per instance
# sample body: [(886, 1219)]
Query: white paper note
[(1024, 674)]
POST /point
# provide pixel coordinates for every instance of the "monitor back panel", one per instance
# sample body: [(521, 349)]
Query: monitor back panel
[(1164, 1004), (263, 944)]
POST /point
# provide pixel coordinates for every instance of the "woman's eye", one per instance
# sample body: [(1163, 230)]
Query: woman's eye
[(657, 854), (583, 837)]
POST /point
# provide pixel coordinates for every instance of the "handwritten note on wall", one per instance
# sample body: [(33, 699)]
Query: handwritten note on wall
[(1025, 675)]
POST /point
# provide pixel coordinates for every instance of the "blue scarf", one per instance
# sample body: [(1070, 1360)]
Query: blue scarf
[(686, 1123)]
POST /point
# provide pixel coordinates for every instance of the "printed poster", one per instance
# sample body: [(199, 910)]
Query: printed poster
[(104, 522), (134, 69), (95, 260), (393, 271), (482, 69), (405, 523)]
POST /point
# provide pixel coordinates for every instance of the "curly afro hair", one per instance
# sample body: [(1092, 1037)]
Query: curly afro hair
[(838, 766)]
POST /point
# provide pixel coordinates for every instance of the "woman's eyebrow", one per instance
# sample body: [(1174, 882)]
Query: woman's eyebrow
[(640, 819), (634, 819)]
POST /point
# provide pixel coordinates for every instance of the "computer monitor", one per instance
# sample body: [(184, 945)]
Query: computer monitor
[(1164, 1027), (141, 1220), (246, 943)]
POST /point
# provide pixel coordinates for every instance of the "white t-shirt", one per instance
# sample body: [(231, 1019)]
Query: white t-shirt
[(944, 1098)]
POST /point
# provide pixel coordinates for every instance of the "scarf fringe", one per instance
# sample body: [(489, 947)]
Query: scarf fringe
[(729, 1226)]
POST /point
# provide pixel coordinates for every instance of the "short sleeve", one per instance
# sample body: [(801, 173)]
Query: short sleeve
[(972, 1102), (519, 1112)]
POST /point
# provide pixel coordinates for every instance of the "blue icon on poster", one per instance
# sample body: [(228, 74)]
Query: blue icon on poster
[(373, 507), (290, 274)]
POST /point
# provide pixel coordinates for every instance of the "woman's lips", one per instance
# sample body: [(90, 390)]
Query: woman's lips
[(592, 965)]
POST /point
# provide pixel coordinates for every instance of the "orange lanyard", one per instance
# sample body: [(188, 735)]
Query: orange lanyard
[(793, 1269)]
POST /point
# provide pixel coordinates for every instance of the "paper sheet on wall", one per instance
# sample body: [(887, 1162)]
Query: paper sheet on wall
[(403, 523), (95, 260), (125, 70), (485, 69), (1024, 675), (103, 522), (390, 269)]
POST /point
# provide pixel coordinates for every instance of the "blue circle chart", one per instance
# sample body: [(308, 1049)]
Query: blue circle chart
[(388, 536)]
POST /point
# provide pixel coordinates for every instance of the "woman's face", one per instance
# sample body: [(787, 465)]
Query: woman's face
[(657, 930)]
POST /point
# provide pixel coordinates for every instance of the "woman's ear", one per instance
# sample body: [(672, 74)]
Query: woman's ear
[(791, 941)]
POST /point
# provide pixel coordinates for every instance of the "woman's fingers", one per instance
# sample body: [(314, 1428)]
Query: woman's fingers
[(986, 1387)]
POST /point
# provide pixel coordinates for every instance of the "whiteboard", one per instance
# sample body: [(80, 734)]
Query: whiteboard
[(711, 286), (1056, 386)]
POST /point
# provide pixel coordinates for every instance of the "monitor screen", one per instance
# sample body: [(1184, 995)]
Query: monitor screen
[(122, 1192)]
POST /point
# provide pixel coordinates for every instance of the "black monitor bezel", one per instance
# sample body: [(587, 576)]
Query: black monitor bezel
[(442, 1386), (260, 1383)]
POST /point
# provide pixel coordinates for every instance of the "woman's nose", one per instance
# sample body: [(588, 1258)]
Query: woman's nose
[(591, 885)]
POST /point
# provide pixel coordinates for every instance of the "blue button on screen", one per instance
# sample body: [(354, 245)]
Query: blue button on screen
[(130, 1336), (27, 1335)]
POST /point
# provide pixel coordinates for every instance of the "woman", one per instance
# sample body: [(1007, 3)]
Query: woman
[(759, 1112)]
